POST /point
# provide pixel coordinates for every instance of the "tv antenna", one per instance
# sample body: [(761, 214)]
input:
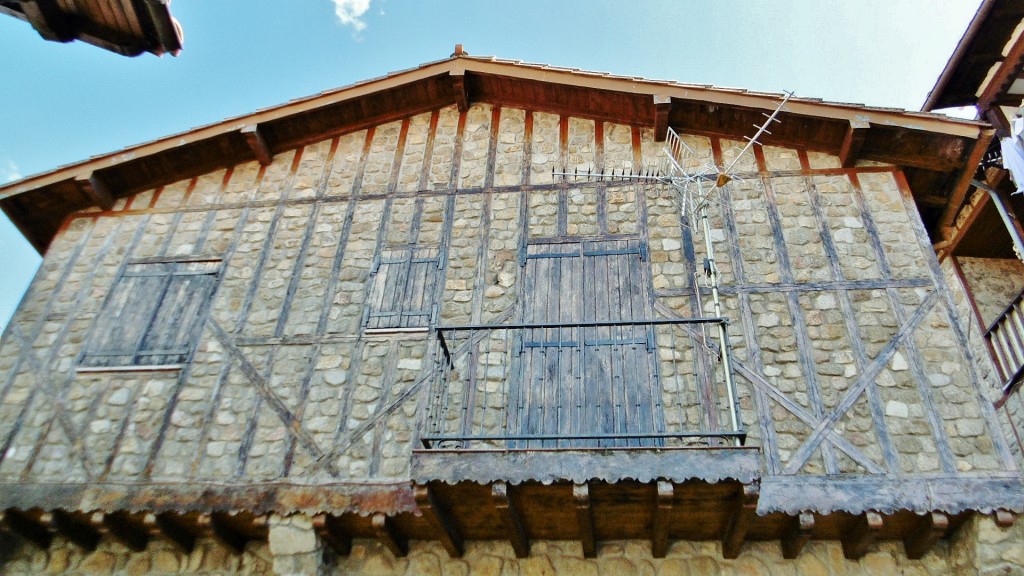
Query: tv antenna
[(697, 189)]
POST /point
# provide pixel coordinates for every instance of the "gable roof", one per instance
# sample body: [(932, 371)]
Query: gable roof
[(126, 27), (933, 150)]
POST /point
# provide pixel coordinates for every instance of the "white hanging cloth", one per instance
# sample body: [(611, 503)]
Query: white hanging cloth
[(1012, 149)]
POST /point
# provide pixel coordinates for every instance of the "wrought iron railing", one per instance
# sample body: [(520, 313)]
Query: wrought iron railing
[(639, 384), (1005, 337)]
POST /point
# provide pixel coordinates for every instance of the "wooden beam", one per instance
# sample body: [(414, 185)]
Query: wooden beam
[(438, 516), (742, 516), (511, 517), (121, 526), (584, 519), (388, 536), (95, 187), (925, 534), (1004, 518), (662, 515), (330, 531), (34, 530), (999, 121), (861, 534), (77, 529), (174, 530), (662, 106), (853, 141), (963, 182), (1005, 74), (257, 144), (794, 540), (223, 529), (458, 78), (49, 20)]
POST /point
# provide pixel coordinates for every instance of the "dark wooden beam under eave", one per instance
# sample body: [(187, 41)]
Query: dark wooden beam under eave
[(662, 107), (511, 518), (460, 88), (330, 531), (963, 184), (662, 516), (860, 535), (389, 537), (742, 517), (1004, 76), (49, 20), (258, 144), (925, 534), (794, 540), (440, 519), (96, 189), (853, 141), (585, 519)]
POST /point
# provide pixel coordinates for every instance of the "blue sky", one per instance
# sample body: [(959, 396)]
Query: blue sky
[(66, 102)]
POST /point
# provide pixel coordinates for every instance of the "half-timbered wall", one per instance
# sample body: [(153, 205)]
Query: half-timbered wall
[(850, 358)]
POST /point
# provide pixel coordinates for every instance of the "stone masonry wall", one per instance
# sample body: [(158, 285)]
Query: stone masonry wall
[(839, 312), (994, 283)]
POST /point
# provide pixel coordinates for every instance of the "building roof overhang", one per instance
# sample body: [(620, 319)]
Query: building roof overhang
[(128, 28), (986, 67), (934, 151)]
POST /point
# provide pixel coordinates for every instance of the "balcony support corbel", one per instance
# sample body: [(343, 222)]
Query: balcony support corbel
[(925, 534), (739, 522), (388, 536), (438, 516), (585, 519), (794, 540), (511, 517), (330, 531), (662, 516), (861, 535)]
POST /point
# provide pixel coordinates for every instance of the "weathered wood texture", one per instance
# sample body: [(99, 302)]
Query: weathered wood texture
[(262, 323)]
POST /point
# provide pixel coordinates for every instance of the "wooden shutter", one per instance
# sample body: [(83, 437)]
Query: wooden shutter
[(404, 287), (153, 314)]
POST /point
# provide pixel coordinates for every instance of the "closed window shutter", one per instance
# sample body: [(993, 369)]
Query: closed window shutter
[(404, 288)]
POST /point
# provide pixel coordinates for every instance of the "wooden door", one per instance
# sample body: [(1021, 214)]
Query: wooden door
[(575, 380)]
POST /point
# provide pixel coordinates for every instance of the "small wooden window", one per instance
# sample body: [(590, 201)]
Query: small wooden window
[(404, 286), (153, 315)]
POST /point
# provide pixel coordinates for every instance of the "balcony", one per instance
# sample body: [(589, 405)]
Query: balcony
[(605, 400), (1005, 338)]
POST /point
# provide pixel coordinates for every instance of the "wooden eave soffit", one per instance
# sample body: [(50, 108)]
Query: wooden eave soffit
[(48, 20)]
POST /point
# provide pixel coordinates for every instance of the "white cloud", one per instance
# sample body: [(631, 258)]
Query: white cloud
[(9, 171), (350, 12)]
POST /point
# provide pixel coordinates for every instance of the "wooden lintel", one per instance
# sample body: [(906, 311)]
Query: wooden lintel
[(76, 529), (223, 529), (585, 519), (1005, 518), (330, 531), (958, 233), (853, 141), (131, 532), (662, 515), (963, 181), (388, 536), (33, 530), (796, 537), (662, 107), (184, 537), (437, 515), (95, 187), (925, 534), (861, 534), (49, 20), (511, 517), (257, 144), (739, 522), (458, 78)]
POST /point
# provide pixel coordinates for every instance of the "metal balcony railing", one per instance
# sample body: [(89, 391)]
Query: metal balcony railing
[(639, 384), (1005, 337)]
